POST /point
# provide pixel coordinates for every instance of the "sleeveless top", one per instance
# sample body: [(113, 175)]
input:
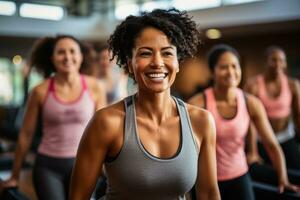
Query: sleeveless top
[(136, 174), (64, 122), (280, 106), (231, 158)]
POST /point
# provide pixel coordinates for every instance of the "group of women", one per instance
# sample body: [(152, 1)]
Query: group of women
[(150, 145)]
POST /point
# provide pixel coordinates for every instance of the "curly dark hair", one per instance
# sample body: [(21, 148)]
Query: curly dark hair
[(42, 51), (181, 30)]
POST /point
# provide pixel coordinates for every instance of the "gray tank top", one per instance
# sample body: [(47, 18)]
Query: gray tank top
[(136, 174)]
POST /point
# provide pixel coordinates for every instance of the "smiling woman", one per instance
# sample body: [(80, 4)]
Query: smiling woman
[(66, 100), (154, 63), (146, 143), (233, 112)]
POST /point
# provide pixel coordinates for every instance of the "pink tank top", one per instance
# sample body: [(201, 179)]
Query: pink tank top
[(231, 158), (64, 122), (280, 106)]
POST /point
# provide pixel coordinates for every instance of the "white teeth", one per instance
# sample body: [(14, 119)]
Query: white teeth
[(157, 75)]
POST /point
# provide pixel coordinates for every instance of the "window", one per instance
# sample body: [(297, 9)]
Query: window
[(12, 82)]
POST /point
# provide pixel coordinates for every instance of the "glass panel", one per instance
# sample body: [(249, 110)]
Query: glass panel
[(12, 82), (6, 80)]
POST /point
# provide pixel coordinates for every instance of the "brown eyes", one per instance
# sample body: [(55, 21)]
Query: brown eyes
[(164, 54), (145, 54), (167, 53)]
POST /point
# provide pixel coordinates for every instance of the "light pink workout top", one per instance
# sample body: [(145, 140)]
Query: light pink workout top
[(280, 106), (231, 159), (64, 122)]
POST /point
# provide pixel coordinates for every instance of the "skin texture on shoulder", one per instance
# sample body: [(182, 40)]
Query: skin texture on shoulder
[(40, 91)]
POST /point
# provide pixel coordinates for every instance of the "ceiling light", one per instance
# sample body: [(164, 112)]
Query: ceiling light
[(213, 33), (7, 8), (17, 59), (41, 11)]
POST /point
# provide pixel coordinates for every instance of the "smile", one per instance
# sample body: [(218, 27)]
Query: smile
[(157, 75)]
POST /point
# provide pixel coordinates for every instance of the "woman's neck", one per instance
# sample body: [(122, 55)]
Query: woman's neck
[(67, 79), (272, 76), (224, 93), (157, 107)]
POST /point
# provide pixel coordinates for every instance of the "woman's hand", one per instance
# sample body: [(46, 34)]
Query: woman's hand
[(286, 185), (10, 183), (254, 158)]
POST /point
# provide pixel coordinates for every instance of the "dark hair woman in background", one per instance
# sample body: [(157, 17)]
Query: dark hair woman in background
[(66, 100), (233, 111), (280, 96)]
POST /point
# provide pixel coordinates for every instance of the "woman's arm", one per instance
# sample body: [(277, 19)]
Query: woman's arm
[(251, 144), (25, 138), (259, 117), (295, 88), (95, 145), (205, 131)]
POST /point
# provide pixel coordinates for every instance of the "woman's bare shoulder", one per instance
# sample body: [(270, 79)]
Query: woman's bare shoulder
[(202, 124), (201, 120), (111, 118), (114, 113), (40, 91), (198, 114), (294, 84)]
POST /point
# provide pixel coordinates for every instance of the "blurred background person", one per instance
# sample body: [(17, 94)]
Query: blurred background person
[(65, 101), (112, 76), (233, 111), (280, 96)]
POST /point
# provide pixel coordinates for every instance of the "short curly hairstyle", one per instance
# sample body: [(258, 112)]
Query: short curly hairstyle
[(42, 52), (180, 29)]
